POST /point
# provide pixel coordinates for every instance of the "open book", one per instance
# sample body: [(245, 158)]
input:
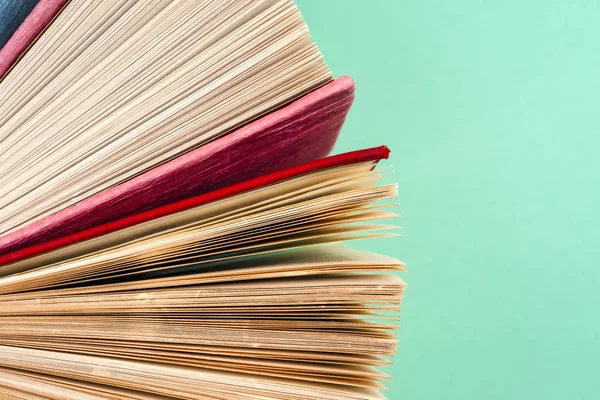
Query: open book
[(169, 226)]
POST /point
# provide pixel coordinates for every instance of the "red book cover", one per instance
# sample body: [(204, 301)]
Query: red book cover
[(303, 131)]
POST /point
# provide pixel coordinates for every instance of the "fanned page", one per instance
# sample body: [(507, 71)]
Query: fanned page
[(112, 89), (251, 295)]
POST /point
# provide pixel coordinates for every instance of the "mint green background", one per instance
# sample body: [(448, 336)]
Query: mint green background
[(492, 112)]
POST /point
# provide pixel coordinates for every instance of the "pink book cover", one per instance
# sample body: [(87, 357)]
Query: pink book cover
[(301, 132), (35, 23)]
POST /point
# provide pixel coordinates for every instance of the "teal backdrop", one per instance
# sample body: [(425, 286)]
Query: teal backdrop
[(492, 112)]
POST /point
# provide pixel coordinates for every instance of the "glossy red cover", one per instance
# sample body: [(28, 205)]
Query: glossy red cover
[(303, 131), (374, 154), (37, 20)]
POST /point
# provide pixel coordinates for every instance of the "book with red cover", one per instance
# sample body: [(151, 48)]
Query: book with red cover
[(303, 131), (373, 154), (33, 25)]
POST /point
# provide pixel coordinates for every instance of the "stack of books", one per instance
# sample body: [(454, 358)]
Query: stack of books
[(171, 225)]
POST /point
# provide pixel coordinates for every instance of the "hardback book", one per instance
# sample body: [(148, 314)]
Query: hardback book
[(21, 22), (300, 132), (170, 224)]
